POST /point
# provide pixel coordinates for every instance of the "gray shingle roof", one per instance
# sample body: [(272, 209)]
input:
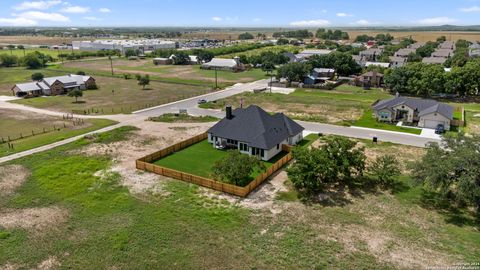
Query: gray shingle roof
[(423, 106), (256, 127), (434, 60)]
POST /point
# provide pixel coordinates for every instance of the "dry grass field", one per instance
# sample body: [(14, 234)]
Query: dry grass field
[(35, 40)]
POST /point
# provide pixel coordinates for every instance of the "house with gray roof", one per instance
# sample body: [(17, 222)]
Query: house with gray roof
[(404, 52), (52, 86), (306, 54), (445, 53), (474, 50), (396, 61), (447, 45), (255, 132), (416, 45), (224, 64), (434, 60), (371, 55), (319, 75), (426, 113)]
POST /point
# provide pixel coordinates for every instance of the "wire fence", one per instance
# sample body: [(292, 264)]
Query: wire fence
[(69, 121), (129, 108)]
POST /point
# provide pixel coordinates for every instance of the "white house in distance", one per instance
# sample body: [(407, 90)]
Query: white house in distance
[(255, 132), (225, 64)]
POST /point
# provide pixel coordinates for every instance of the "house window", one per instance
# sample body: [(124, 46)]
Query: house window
[(262, 152), (278, 146)]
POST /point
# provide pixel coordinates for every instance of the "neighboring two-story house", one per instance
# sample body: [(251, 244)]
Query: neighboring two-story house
[(255, 132)]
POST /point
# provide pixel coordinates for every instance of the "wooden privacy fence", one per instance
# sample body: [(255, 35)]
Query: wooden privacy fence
[(461, 122), (145, 163)]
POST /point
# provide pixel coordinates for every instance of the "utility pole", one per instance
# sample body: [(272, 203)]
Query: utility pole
[(111, 64), (216, 79)]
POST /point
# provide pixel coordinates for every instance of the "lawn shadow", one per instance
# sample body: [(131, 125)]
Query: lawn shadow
[(342, 194), (454, 214), (79, 102)]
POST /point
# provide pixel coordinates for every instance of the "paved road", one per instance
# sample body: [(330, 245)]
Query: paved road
[(191, 103), (191, 106)]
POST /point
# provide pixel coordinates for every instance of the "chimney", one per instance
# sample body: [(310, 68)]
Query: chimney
[(228, 111)]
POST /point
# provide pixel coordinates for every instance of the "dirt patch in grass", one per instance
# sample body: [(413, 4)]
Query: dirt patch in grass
[(12, 177), (33, 219), (50, 263), (150, 138), (9, 266)]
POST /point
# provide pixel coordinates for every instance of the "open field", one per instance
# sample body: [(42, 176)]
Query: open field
[(188, 74), (15, 124), (198, 159), (182, 118), (117, 95), (20, 53), (36, 40), (344, 104), (275, 49), (69, 209)]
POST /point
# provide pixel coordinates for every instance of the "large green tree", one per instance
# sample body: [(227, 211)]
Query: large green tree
[(452, 169), (294, 72), (32, 61), (337, 161), (385, 169), (236, 168), (7, 60), (343, 63)]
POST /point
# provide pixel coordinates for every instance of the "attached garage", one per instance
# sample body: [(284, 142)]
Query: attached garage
[(432, 120), (433, 123)]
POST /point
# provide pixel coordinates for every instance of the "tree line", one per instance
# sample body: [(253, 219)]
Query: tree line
[(452, 171), (428, 80)]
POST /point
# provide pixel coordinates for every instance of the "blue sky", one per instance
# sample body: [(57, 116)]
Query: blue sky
[(224, 13)]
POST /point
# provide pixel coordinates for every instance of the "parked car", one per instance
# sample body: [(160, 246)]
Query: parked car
[(440, 129), (202, 101)]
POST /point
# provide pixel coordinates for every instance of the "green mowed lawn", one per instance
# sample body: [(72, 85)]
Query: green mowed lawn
[(275, 49), (117, 95), (198, 159), (368, 121), (179, 227), (182, 74), (20, 53)]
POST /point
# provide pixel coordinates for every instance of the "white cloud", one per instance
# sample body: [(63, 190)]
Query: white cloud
[(343, 14), (471, 9), (104, 10), (436, 21), (19, 21), (363, 22), (43, 16), (217, 19), (42, 5), (91, 18), (75, 9), (307, 23)]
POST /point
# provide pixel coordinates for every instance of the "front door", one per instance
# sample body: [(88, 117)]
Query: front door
[(402, 115)]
